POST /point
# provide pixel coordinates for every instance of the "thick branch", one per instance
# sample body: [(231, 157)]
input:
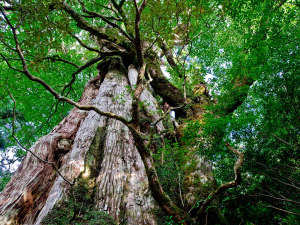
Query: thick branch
[(172, 95), (137, 40), (95, 14), (168, 54), (83, 24)]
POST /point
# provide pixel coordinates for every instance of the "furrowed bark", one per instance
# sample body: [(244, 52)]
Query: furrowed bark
[(121, 183)]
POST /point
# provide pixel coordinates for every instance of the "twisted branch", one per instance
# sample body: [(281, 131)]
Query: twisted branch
[(237, 180)]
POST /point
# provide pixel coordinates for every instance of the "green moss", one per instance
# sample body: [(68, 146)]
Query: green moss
[(78, 206), (94, 156), (164, 219)]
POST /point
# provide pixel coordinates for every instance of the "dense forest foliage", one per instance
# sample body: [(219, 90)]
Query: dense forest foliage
[(236, 62)]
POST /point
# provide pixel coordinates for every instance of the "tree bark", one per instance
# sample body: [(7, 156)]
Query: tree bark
[(121, 184), (28, 190), (103, 152)]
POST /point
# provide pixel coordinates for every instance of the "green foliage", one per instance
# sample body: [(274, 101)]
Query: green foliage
[(164, 219), (77, 208), (169, 160), (246, 50), (253, 57), (255, 44), (4, 179)]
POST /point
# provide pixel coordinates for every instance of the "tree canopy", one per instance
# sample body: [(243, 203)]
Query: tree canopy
[(237, 61)]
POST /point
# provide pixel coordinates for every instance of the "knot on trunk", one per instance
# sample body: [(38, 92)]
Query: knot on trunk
[(64, 144)]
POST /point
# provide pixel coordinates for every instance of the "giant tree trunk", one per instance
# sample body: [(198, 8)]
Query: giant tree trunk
[(94, 149), (87, 145)]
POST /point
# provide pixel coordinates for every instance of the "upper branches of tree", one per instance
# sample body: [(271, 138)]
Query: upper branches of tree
[(85, 25), (26, 72), (137, 40)]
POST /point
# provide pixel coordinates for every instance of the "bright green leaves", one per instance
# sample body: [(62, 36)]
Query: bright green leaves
[(4, 179)]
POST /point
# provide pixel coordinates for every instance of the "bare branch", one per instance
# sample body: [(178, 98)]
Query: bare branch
[(283, 210), (88, 64), (9, 65), (57, 58), (7, 45), (281, 199), (283, 141)]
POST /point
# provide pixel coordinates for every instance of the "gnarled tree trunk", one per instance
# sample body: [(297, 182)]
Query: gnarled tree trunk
[(116, 168), (97, 149)]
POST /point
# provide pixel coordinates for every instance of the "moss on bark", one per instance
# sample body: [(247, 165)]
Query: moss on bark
[(78, 206)]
